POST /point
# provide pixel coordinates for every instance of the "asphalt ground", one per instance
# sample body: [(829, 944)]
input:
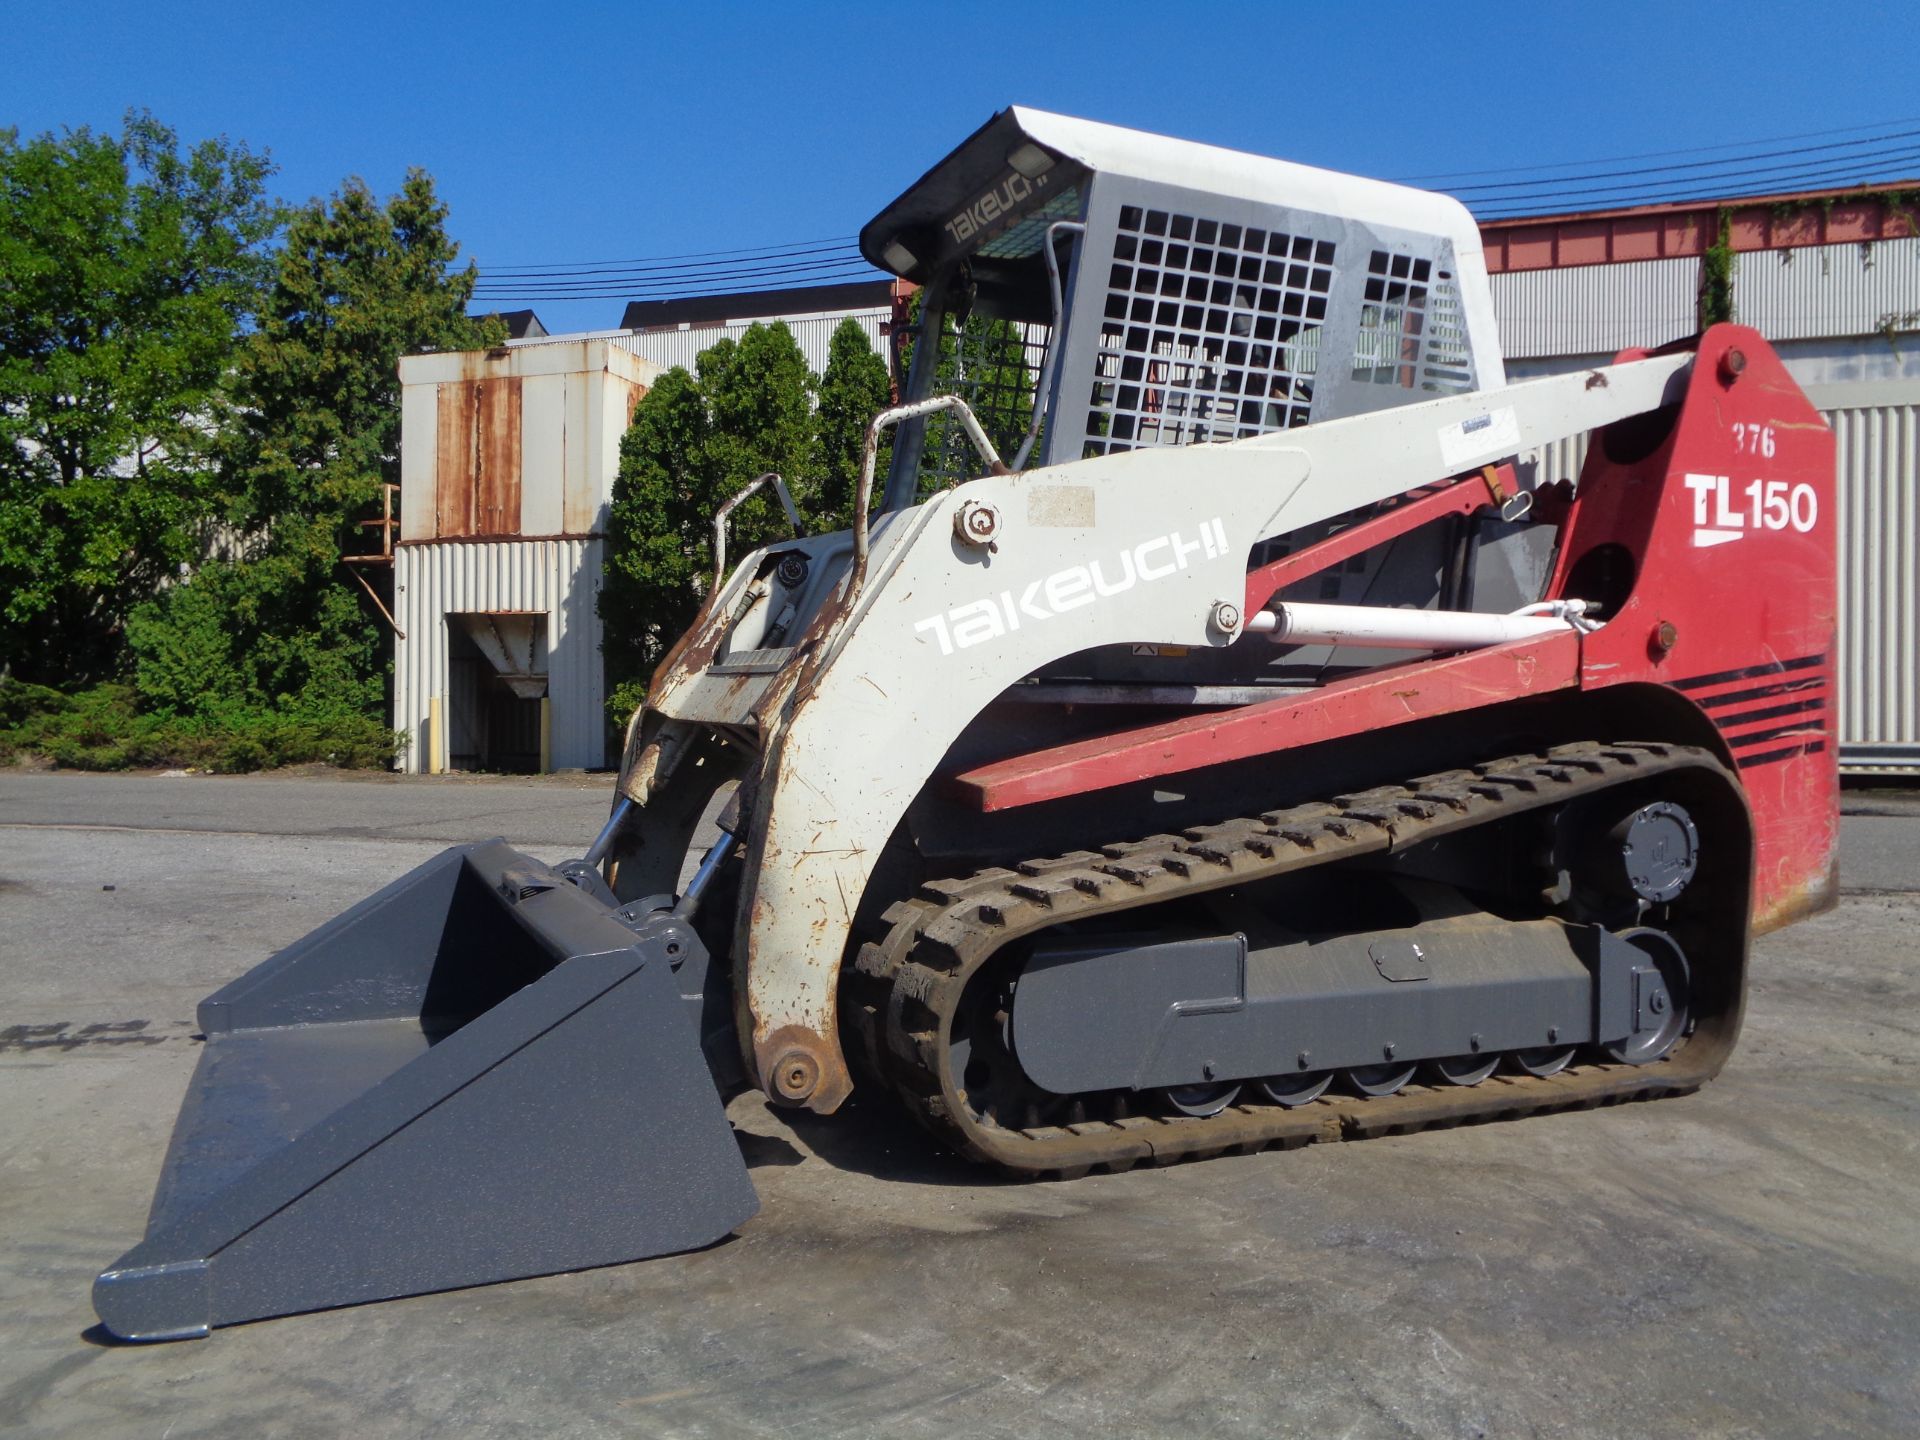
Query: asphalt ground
[(1742, 1262)]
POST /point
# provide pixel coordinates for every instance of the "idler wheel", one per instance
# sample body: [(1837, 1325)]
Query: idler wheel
[(1660, 997)]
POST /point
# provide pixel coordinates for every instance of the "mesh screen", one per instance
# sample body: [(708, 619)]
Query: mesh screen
[(1448, 367), (994, 365), (1412, 332), (1211, 332)]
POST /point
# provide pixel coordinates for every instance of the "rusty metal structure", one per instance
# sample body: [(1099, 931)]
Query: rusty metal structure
[(507, 471), (1249, 750)]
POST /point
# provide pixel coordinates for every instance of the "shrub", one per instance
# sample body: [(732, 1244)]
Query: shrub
[(103, 728)]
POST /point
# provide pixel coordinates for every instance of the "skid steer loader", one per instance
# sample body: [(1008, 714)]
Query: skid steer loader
[(1222, 728)]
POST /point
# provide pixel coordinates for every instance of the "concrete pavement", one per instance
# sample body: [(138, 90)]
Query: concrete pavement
[(1741, 1262)]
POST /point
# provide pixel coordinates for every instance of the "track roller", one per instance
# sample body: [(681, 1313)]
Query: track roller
[(1294, 1090), (1375, 1081), (1462, 1069)]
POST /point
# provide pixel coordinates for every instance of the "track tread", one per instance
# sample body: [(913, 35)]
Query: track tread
[(905, 988)]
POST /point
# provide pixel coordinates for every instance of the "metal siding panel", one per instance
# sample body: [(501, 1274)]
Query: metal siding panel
[(496, 501), (456, 413), (1595, 309), (558, 577), (406, 659), (568, 658), (1878, 670), (1827, 290), (419, 407), (1798, 294), (1562, 459), (543, 447), (581, 496)]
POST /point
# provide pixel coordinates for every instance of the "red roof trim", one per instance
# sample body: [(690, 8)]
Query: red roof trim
[(1664, 232)]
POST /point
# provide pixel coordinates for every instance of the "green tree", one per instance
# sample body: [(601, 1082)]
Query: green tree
[(695, 440), (127, 270), (278, 622), (986, 362), (853, 389)]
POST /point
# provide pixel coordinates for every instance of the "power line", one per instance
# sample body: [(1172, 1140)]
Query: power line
[(1656, 154), (666, 289), (824, 261), (1831, 176), (693, 255), (691, 293), (1696, 165), (675, 278), (616, 268), (581, 289)]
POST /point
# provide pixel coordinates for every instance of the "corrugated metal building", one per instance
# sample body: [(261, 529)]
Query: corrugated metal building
[(1833, 280), (507, 465)]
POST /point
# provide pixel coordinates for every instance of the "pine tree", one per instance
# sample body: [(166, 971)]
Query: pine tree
[(853, 389), (695, 441)]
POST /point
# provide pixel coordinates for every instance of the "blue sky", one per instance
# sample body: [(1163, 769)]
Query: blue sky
[(583, 132)]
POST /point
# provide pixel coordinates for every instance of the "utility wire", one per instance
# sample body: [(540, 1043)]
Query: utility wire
[(722, 285), (691, 292), (1824, 178), (1835, 164), (1748, 191), (647, 281), (1654, 154), (1695, 165), (636, 267), (690, 286), (693, 255)]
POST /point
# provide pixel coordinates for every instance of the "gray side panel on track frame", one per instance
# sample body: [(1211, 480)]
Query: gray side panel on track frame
[(1187, 1012)]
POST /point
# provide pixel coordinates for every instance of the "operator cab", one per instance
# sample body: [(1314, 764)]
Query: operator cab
[(1194, 295)]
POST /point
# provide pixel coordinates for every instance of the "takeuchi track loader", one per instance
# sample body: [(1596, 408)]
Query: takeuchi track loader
[(1223, 727)]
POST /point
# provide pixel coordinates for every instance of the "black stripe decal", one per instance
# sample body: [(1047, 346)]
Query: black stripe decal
[(1761, 692), (1748, 762), (1772, 712), (1760, 737), (1772, 667)]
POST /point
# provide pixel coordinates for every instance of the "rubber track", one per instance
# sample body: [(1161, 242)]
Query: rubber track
[(906, 986)]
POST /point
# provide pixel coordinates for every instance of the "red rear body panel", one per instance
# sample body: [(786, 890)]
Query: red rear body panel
[(1730, 526)]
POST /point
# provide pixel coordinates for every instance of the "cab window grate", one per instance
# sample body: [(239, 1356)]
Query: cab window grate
[(1211, 331)]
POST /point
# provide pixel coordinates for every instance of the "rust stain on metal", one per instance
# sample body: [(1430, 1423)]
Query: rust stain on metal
[(497, 452), (798, 1070), (476, 477), (455, 408)]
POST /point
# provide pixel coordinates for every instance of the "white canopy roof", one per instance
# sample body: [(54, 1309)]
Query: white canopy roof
[(1115, 150)]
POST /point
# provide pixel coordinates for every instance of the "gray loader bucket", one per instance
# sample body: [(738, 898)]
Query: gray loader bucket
[(478, 1074)]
